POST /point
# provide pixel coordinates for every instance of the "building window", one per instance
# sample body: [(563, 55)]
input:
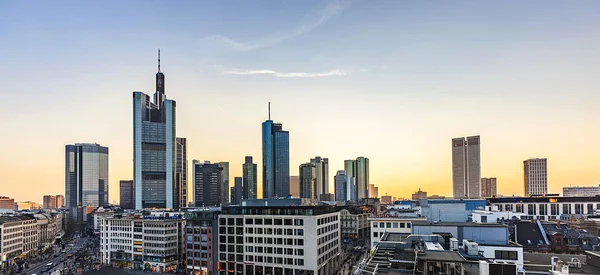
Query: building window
[(375, 234), (566, 208), (507, 255), (519, 208), (395, 225), (375, 224), (578, 208), (554, 209)]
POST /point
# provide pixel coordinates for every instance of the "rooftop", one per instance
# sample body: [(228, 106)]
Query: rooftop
[(441, 256), (463, 224)]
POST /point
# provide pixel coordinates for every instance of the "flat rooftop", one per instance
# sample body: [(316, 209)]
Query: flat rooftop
[(441, 256), (472, 224)]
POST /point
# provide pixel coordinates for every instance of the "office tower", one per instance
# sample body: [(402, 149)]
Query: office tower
[(373, 191), (49, 202), (181, 170), (344, 186), (349, 167), (126, 194), (295, 186), (308, 181), (60, 201), (276, 159), (86, 175), (536, 176), (250, 179), (466, 167), (207, 183), (322, 168), (361, 177), (224, 181), (155, 148), (237, 193), (488, 187), (7, 204)]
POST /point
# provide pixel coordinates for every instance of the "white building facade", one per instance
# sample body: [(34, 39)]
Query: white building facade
[(536, 176), (581, 191), (279, 240), (547, 208), (381, 225)]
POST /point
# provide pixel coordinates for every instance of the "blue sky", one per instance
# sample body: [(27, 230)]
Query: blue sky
[(347, 78)]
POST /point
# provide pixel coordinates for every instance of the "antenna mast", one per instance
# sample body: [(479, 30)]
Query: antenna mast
[(269, 110), (158, 60)]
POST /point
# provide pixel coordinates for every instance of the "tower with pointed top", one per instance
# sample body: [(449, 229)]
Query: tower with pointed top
[(155, 149), (275, 159)]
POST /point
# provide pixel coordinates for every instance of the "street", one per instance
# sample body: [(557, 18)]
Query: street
[(39, 267)]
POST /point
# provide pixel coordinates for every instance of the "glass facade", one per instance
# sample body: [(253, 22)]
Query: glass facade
[(249, 179), (276, 160), (86, 175), (361, 172), (308, 181), (207, 184)]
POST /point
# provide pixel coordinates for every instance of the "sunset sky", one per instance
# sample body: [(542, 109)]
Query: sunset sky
[(393, 81)]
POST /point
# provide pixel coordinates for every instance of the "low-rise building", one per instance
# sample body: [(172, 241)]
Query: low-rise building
[(492, 215), (581, 191), (354, 223), (11, 238), (201, 241), (6, 204), (152, 241), (549, 207), (385, 224)]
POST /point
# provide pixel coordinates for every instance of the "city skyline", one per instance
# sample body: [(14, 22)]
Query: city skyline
[(407, 93)]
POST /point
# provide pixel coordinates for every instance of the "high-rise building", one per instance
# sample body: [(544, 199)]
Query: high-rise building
[(86, 175), (295, 186), (224, 181), (155, 148), (536, 176), (488, 187), (308, 181), (60, 201), (373, 191), (322, 169), (6, 204), (276, 159), (126, 194), (207, 183), (49, 202), (250, 179), (181, 170), (344, 186), (361, 177), (237, 193), (466, 167), (349, 167)]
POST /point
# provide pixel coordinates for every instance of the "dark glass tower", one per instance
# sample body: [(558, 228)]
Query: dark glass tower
[(86, 175), (207, 184), (249, 179), (276, 160)]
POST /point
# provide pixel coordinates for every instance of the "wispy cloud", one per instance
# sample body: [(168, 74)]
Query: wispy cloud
[(250, 72), (308, 23)]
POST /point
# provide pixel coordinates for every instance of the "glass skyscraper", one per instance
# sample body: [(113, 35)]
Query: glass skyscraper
[(361, 177), (308, 181), (181, 170), (276, 160), (86, 175), (249, 179), (155, 149), (224, 181), (207, 183)]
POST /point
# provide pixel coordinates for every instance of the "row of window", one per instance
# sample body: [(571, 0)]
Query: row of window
[(533, 209), (391, 225), (326, 220)]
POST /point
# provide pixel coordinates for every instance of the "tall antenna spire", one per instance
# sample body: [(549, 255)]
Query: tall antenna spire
[(269, 110), (158, 60)]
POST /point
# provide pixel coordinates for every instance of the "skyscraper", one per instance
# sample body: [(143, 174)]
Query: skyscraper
[(536, 176), (207, 183), (373, 191), (181, 170), (250, 179), (126, 194), (224, 181), (308, 181), (361, 177), (322, 168), (488, 187), (276, 159), (237, 193), (295, 186), (344, 186), (49, 202), (155, 149), (60, 201), (86, 175), (466, 167)]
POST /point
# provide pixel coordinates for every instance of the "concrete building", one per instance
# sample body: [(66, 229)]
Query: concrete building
[(344, 186), (488, 187), (308, 181), (155, 149), (386, 200), (249, 179), (153, 242), (207, 184), (201, 241), (11, 238), (491, 214), (279, 240), (7, 204), (481, 233), (275, 159), (381, 225), (419, 195), (295, 186), (327, 197), (126, 194), (581, 191), (224, 181), (448, 210), (60, 201), (354, 223), (322, 175), (373, 191), (536, 176), (28, 205), (466, 167), (49, 202), (548, 208), (86, 175), (181, 175)]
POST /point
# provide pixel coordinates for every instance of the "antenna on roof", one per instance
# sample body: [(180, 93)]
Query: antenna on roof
[(269, 110), (159, 60)]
